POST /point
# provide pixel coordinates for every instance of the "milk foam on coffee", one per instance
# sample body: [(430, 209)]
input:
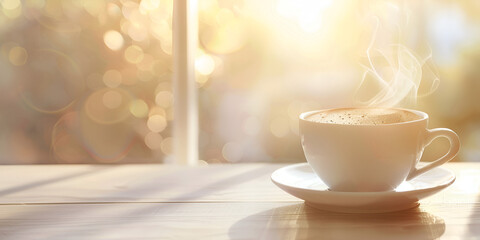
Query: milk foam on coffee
[(363, 116)]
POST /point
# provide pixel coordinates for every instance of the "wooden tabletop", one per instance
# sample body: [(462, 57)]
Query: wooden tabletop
[(208, 202)]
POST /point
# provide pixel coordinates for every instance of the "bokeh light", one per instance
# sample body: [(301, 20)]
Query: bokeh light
[(18, 56), (139, 108), (227, 38), (167, 146), (153, 140), (157, 123), (10, 4), (112, 78), (66, 145), (89, 81), (113, 10), (134, 54), (52, 83), (11, 8), (232, 152), (113, 40), (164, 99), (90, 74), (112, 99), (108, 106), (205, 64)]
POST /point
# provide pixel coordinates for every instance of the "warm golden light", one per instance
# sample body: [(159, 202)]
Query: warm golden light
[(166, 46), (205, 64), (106, 68), (232, 152), (112, 99), (18, 56), (307, 13), (468, 181), (148, 5), (108, 106), (164, 99), (167, 146), (252, 126), (10, 4), (93, 7), (157, 123), (113, 40), (280, 127), (113, 10), (112, 78), (134, 54), (153, 140), (139, 108)]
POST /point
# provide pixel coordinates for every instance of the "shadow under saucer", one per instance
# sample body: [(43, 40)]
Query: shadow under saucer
[(300, 221)]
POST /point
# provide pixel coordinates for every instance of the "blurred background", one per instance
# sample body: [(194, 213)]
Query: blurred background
[(90, 81)]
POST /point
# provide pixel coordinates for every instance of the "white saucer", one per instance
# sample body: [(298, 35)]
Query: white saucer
[(300, 181)]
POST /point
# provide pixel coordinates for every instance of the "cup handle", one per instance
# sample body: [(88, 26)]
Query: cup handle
[(454, 148)]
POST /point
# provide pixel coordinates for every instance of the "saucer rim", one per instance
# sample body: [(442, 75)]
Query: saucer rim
[(445, 184)]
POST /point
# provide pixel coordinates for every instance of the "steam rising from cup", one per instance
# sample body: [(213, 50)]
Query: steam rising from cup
[(393, 75)]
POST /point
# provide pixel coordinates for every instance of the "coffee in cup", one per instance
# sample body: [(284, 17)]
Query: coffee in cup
[(363, 116), (369, 149)]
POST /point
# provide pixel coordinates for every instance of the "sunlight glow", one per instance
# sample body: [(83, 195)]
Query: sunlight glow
[(113, 40), (205, 64), (307, 13)]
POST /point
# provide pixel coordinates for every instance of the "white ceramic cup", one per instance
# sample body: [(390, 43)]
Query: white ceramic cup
[(370, 158)]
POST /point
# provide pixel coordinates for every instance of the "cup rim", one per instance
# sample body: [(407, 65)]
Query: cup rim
[(423, 116)]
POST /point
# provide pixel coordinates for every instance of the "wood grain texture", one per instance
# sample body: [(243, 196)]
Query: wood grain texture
[(209, 202), (138, 183), (274, 220), (169, 183)]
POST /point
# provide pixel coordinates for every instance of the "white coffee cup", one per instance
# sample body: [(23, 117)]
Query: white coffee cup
[(370, 158)]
